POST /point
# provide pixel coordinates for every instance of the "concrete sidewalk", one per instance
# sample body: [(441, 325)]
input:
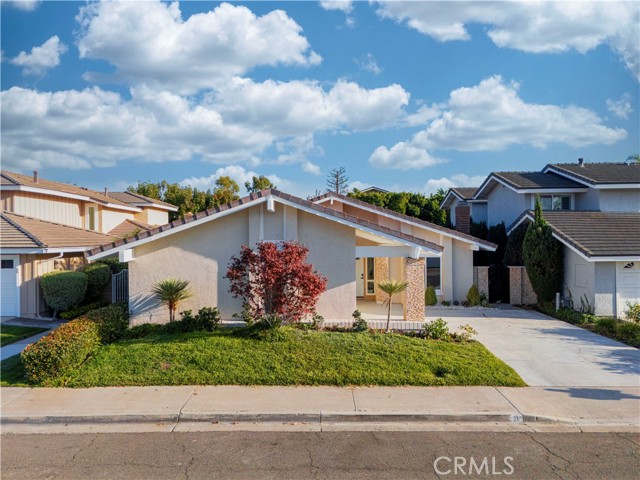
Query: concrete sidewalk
[(607, 406)]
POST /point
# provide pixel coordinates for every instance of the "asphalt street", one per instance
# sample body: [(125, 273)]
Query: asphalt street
[(331, 455)]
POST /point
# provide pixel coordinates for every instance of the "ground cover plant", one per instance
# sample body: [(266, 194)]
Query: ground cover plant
[(11, 334)]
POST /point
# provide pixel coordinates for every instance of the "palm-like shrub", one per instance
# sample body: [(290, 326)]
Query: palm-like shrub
[(170, 292), (391, 288)]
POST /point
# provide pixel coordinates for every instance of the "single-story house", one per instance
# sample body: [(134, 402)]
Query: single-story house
[(601, 257), (354, 244)]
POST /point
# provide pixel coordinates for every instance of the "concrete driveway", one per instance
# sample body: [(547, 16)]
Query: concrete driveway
[(547, 352)]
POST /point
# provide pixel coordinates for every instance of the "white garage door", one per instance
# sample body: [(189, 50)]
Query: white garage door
[(627, 285), (9, 286)]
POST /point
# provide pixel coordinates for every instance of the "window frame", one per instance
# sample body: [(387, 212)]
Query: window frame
[(552, 196), (88, 219), (426, 273)]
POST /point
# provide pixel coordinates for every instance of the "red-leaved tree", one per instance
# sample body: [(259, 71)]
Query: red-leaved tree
[(276, 279)]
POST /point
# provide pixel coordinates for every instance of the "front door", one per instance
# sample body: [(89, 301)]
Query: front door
[(359, 277)]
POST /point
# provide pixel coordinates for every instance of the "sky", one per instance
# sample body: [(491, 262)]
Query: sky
[(411, 96)]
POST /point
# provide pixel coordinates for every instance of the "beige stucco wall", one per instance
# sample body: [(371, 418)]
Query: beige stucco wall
[(201, 255), (462, 270), (110, 219), (153, 216), (44, 207)]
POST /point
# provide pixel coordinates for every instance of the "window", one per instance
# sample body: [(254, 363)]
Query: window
[(432, 275), (555, 202), (91, 218), (7, 264), (370, 274)]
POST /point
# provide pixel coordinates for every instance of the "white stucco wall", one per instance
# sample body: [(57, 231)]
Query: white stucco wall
[(620, 200), (110, 219), (505, 205), (605, 289), (589, 200), (579, 278)]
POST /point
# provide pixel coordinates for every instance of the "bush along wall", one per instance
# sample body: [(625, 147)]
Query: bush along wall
[(98, 275), (63, 290)]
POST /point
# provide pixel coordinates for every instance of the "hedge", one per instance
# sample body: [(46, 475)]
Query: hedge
[(112, 321), (80, 311), (98, 275), (63, 289), (53, 357)]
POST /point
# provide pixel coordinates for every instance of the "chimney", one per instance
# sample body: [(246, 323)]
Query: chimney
[(106, 194), (463, 218), (581, 162), (35, 176)]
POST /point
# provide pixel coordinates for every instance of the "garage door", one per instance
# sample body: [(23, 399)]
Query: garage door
[(9, 286), (627, 285)]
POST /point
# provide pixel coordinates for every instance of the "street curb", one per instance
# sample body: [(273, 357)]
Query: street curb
[(313, 418)]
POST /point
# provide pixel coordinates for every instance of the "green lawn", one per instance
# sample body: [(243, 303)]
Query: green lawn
[(12, 373), (297, 358), (11, 334)]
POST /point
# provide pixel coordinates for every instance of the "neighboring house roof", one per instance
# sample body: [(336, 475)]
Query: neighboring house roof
[(18, 231), (406, 218), (374, 189), (18, 181), (599, 174), (248, 201), (464, 194), (129, 228), (527, 182), (139, 200), (594, 235)]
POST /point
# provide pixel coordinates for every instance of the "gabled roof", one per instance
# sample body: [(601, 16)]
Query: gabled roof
[(406, 218), (138, 200), (599, 174), (374, 189), (248, 201), (18, 231), (464, 194), (528, 182), (18, 181), (594, 235), (129, 227)]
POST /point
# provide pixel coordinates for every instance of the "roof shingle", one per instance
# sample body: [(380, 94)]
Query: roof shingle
[(600, 173), (137, 199)]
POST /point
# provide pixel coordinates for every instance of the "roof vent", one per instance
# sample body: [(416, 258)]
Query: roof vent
[(35, 176), (581, 162)]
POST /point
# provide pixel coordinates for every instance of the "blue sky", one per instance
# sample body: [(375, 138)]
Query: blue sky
[(405, 95)]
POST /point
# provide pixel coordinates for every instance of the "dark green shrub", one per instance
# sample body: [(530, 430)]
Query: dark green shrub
[(629, 333), (144, 330), (113, 321), (66, 348), (446, 303), (79, 311), (359, 323), (543, 257), (633, 312), (479, 230), (473, 296), (98, 275), (207, 319), (114, 264), (605, 326), (513, 250), (64, 289), (317, 321), (430, 297), (498, 235), (437, 330)]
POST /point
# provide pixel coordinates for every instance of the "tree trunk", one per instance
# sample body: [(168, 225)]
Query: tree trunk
[(389, 314)]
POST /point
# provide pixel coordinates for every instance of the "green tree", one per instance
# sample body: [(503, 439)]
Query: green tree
[(391, 288), (171, 292), (258, 183), (226, 191), (513, 250), (543, 257), (635, 158)]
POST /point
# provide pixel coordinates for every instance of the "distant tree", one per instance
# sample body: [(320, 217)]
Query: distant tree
[(258, 183), (337, 181), (415, 205), (635, 158), (226, 191), (543, 257)]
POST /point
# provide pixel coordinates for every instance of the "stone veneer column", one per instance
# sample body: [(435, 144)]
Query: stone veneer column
[(381, 275), (414, 296), (515, 285), (481, 279)]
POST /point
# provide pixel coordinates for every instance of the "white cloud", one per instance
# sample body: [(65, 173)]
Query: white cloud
[(41, 58), (342, 5), (535, 27), (491, 117), (422, 116), (311, 168), (237, 173), (149, 42), (369, 64), (403, 156), (458, 180), (621, 108), (24, 5), (359, 185)]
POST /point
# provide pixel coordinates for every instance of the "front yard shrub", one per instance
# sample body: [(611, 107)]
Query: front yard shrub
[(206, 320), (437, 330), (430, 298), (114, 264), (171, 292), (633, 312), (543, 257), (605, 326), (79, 311), (275, 279), (513, 250), (473, 296), (359, 323), (98, 275), (446, 303), (63, 350), (63, 289), (465, 333), (628, 333), (112, 321)]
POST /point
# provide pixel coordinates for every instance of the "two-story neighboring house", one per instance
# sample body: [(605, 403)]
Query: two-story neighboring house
[(46, 225), (593, 210)]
